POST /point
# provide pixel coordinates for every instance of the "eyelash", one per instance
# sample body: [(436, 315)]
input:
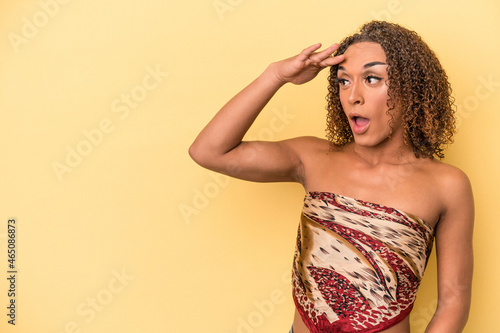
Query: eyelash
[(368, 77)]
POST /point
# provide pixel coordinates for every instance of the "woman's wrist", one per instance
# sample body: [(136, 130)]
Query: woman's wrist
[(271, 75)]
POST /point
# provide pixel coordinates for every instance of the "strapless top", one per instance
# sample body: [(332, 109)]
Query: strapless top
[(357, 265)]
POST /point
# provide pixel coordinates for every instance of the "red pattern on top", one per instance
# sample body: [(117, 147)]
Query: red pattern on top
[(341, 296)]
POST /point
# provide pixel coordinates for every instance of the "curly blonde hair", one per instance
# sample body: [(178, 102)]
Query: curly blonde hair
[(418, 85)]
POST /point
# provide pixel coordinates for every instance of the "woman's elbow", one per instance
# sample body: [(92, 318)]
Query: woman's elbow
[(203, 156), (196, 153)]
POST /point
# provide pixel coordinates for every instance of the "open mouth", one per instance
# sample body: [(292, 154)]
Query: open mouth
[(359, 124), (360, 121)]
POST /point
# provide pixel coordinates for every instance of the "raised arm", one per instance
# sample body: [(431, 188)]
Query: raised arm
[(454, 256), (219, 146)]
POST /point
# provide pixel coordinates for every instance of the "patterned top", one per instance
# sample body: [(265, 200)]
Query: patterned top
[(357, 265)]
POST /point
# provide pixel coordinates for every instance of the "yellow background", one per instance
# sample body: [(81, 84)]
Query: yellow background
[(195, 252)]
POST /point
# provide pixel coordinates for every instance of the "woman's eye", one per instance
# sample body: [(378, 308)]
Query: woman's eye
[(342, 82), (372, 79)]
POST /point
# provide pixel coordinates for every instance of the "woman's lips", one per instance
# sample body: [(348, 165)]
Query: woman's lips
[(359, 124)]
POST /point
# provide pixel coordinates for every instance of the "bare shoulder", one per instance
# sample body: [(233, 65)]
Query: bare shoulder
[(452, 186), (448, 177)]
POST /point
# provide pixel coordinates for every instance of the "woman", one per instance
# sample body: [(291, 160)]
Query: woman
[(375, 195)]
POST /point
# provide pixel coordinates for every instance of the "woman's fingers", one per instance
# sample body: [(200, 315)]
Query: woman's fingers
[(330, 61), (307, 64), (326, 53), (322, 58), (307, 52)]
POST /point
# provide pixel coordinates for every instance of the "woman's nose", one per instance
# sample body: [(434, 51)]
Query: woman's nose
[(356, 94)]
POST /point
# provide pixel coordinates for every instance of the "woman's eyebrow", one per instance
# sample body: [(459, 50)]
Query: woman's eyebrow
[(367, 65), (374, 63)]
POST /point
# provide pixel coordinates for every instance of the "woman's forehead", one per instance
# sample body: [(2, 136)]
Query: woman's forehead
[(360, 54)]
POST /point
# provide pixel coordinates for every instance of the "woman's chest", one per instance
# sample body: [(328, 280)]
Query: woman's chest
[(405, 187)]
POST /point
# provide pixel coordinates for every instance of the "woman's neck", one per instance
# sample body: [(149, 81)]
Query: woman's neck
[(393, 153)]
